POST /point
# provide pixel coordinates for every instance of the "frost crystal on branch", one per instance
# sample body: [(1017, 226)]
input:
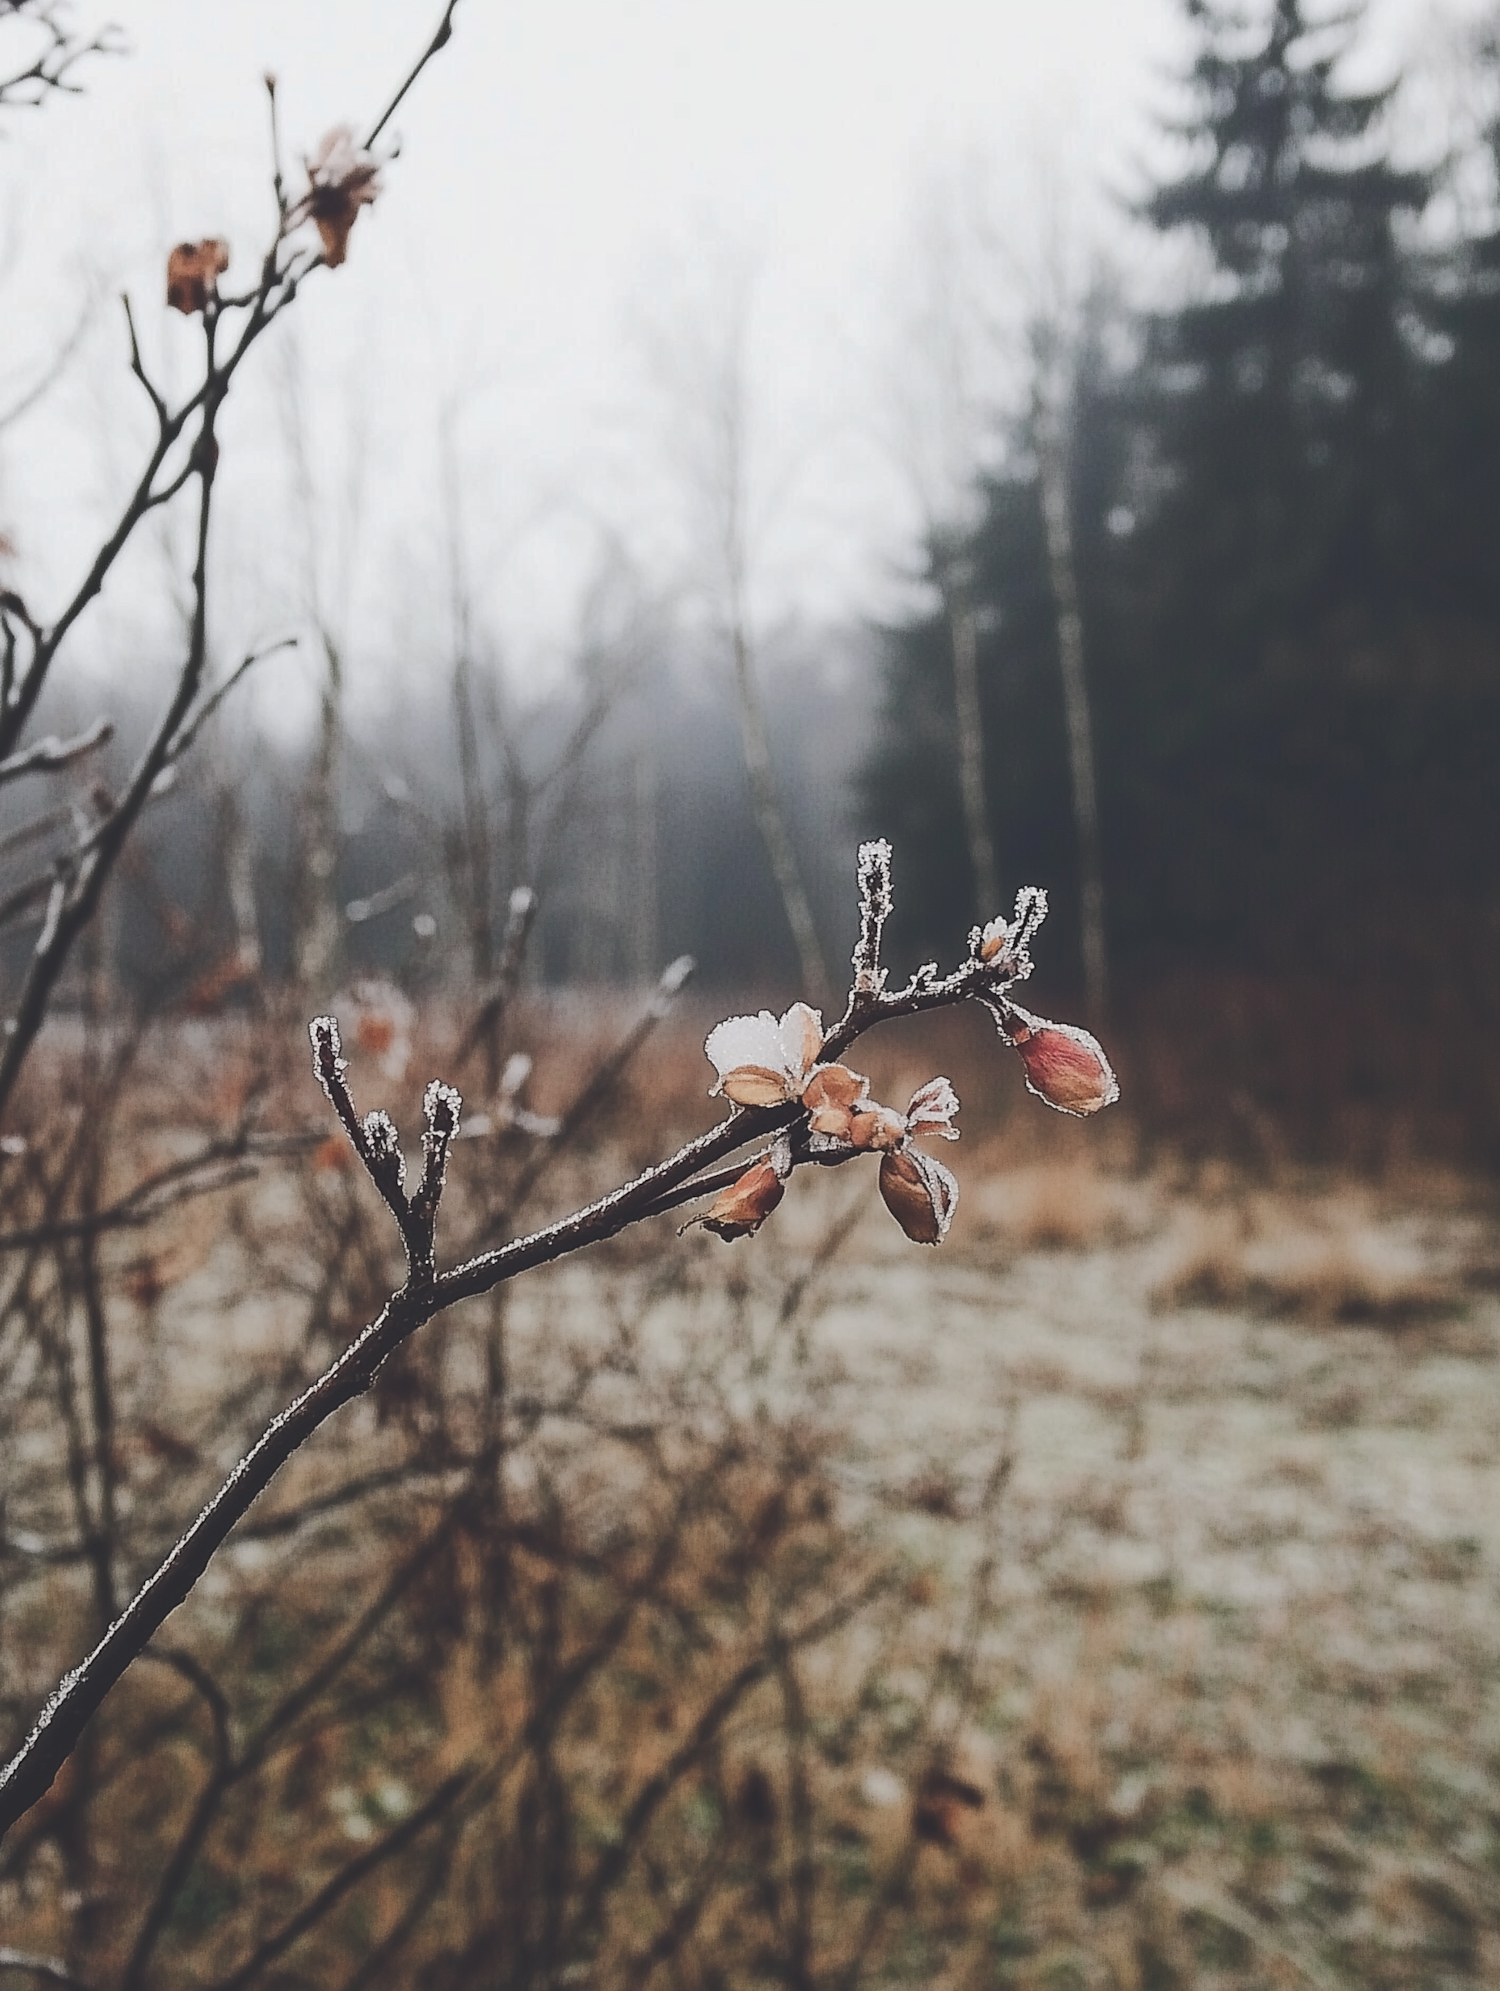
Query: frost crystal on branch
[(385, 1147), (874, 911), (329, 1062)]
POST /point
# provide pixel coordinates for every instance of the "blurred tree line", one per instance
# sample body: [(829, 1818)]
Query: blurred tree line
[(1283, 489)]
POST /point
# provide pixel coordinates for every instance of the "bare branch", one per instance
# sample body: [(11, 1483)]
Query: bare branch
[(385, 900), (56, 367), (50, 1968), (48, 756), (998, 958), (193, 725), (497, 998), (440, 39), (61, 52)]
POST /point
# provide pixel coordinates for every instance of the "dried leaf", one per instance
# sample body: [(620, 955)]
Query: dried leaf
[(193, 272)]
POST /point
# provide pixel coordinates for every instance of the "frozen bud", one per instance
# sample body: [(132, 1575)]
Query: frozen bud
[(342, 178), (832, 1096), (1064, 1065), (932, 1109), (193, 272), (878, 1129), (919, 1193), (992, 939), (741, 1209), (761, 1062)]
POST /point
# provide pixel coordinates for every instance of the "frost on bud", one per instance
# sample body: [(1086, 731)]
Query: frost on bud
[(1003, 945), (1064, 1065), (832, 1096), (992, 938), (342, 178), (761, 1062), (919, 1193), (329, 1062), (741, 1209), (878, 1130), (193, 272), (441, 1106), (932, 1109)]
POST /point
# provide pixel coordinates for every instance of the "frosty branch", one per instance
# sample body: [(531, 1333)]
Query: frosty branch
[(785, 1083)]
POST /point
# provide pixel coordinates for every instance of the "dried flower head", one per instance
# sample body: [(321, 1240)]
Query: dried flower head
[(341, 179), (761, 1062), (931, 1109), (193, 272), (1064, 1065)]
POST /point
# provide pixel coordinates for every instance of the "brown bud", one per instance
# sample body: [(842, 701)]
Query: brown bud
[(1064, 1065), (878, 1130), (193, 272), (754, 1085), (919, 1193), (832, 1096), (741, 1209), (993, 939)]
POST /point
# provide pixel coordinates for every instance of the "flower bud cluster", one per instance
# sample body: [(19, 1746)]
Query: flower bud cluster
[(763, 1062)]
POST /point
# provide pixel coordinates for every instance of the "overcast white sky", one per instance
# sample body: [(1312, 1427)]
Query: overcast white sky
[(565, 168)]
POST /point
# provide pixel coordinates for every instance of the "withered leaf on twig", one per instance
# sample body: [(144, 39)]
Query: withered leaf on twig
[(342, 178), (193, 272)]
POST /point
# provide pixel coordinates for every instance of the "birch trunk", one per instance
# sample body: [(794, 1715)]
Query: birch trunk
[(1049, 440)]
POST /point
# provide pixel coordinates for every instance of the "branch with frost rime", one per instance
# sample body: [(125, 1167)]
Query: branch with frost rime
[(790, 1094)]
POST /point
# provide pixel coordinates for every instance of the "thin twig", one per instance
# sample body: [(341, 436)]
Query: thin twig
[(49, 755)]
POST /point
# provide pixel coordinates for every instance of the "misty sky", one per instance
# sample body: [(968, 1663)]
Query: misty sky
[(580, 185)]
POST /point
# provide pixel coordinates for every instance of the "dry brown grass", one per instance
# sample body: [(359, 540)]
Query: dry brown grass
[(1197, 1694), (1341, 1255)]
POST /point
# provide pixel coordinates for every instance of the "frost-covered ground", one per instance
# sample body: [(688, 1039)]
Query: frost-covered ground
[(1218, 1459), (1245, 1656)]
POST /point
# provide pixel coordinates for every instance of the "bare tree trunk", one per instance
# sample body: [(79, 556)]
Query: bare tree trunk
[(644, 948), (476, 825), (1049, 441), (768, 817), (963, 636), (239, 869), (319, 928)]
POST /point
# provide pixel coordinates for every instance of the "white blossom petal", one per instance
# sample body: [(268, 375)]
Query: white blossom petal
[(744, 1040), (801, 1033)]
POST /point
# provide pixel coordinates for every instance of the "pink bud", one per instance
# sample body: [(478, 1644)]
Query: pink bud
[(1064, 1065)]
